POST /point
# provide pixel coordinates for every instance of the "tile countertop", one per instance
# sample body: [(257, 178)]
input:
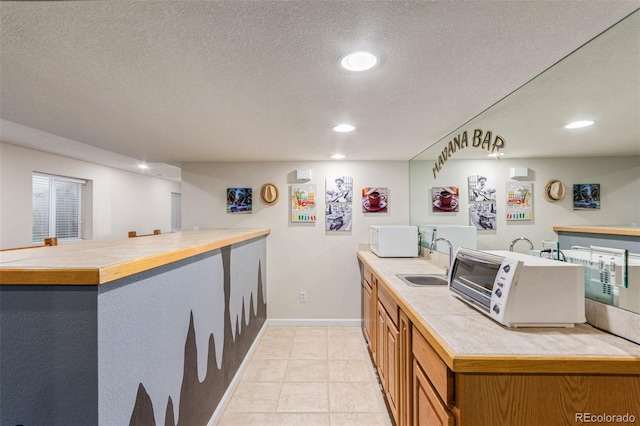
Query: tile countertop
[(468, 341), (99, 262)]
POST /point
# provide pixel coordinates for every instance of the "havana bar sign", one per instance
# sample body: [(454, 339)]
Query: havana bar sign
[(480, 139)]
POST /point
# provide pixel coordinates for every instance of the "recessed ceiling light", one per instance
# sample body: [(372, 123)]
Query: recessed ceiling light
[(358, 61), (579, 124), (337, 156), (343, 128), (143, 166)]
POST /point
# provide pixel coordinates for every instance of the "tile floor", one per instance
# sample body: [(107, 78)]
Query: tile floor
[(311, 376)]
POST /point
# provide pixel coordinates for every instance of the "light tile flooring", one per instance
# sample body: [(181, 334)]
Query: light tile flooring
[(311, 376)]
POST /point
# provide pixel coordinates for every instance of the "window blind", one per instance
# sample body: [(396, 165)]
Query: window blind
[(57, 207)]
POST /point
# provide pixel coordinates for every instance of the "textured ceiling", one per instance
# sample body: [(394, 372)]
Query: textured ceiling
[(182, 81)]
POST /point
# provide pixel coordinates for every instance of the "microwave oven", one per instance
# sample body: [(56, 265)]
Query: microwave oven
[(519, 290), (394, 240)]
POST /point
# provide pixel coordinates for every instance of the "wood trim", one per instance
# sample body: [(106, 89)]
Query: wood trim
[(609, 230), (49, 277), (48, 242), (547, 364)]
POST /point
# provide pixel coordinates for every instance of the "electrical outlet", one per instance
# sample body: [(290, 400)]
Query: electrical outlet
[(303, 296)]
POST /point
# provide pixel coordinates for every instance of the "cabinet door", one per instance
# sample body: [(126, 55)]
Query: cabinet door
[(366, 314), (373, 317), (392, 347), (428, 410), (404, 372), (380, 338)]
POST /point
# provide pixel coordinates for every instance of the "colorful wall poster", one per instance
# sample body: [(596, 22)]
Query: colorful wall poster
[(586, 196), (483, 216), (239, 200), (445, 199), (519, 201), (339, 189), (303, 203), (338, 217), (481, 188), (375, 200)]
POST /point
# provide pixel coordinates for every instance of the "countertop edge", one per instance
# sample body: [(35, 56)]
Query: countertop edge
[(606, 230), (105, 274), (503, 363)]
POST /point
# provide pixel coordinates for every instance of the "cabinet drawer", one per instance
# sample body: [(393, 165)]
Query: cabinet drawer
[(366, 275), (436, 370), (389, 304)]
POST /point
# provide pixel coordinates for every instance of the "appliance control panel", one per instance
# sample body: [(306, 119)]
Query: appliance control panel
[(505, 279)]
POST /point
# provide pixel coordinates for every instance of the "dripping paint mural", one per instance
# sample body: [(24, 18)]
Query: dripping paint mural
[(171, 360)]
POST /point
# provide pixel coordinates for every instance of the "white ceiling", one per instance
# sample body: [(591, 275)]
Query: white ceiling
[(183, 81)]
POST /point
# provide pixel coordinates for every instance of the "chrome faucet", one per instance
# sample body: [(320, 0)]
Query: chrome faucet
[(432, 246), (513, 243)]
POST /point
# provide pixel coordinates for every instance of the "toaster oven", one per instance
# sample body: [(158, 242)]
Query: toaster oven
[(519, 290)]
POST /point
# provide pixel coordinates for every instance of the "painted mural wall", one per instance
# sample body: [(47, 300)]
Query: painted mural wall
[(159, 347)]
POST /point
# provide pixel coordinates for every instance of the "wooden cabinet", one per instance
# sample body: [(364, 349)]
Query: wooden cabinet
[(388, 348), (388, 333), (369, 304), (432, 385), (405, 371), (428, 409), (422, 389)]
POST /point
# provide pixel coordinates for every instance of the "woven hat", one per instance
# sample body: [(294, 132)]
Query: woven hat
[(269, 193), (553, 191)]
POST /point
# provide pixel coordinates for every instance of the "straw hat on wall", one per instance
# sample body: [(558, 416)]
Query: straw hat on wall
[(270, 193), (554, 191)]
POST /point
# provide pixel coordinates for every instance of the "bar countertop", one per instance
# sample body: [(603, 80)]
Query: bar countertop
[(100, 262), (468, 341)]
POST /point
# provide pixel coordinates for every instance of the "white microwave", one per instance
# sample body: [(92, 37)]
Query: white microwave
[(519, 290), (394, 240)]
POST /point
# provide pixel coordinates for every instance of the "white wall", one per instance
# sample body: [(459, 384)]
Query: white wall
[(619, 179), (300, 257), (121, 201)]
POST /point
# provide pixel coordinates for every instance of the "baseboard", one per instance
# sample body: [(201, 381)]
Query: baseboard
[(316, 322), (217, 414)]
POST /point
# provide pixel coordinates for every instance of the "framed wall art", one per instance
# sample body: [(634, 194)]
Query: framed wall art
[(481, 188), (239, 200), (586, 196), (483, 216), (375, 200), (519, 201), (338, 217), (303, 203), (445, 199), (339, 190)]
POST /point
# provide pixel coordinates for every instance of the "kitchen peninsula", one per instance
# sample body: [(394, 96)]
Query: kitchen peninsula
[(443, 362), (140, 330)]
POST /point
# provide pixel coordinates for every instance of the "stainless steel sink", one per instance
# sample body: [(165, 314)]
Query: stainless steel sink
[(421, 280)]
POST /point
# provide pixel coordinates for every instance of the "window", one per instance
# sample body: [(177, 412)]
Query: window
[(57, 207)]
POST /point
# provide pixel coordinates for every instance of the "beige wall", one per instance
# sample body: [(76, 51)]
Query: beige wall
[(619, 179), (121, 201), (300, 257)]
